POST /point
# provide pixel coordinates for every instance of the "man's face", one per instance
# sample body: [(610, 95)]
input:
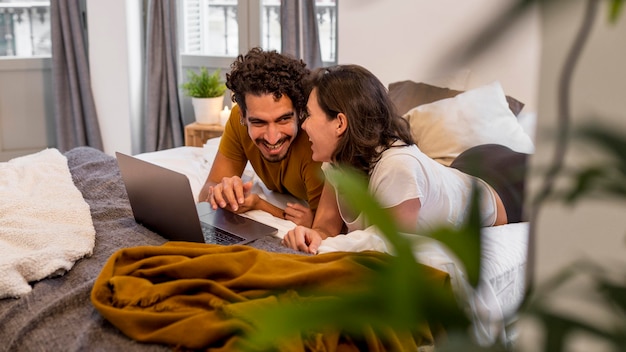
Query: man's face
[(272, 125)]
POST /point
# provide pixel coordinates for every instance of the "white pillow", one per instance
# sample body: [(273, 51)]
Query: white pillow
[(447, 127)]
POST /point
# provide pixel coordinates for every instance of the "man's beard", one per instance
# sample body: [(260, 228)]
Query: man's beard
[(274, 158)]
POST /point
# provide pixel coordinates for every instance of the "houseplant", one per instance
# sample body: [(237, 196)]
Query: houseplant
[(604, 290), (207, 94)]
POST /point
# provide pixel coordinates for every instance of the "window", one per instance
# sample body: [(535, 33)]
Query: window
[(24, 28), (222, 29)]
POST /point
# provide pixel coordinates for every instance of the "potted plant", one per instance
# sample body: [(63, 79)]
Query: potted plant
[(598, 323), (207, 94)]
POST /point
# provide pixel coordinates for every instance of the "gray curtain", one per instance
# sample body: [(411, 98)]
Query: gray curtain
[(301, 41), (75, 115), (163, 119)]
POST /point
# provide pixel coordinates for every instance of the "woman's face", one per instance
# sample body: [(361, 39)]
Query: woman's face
[(323, 133)]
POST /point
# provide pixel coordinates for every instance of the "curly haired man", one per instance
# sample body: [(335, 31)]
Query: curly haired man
[(264, 129)]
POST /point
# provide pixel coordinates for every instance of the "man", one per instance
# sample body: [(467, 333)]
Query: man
[(264, 129)]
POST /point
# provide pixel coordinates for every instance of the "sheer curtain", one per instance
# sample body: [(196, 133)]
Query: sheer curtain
[(163, 118), (299, 36), (74, 107)]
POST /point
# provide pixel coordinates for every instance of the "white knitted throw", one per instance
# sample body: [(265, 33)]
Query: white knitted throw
[(45, 224)]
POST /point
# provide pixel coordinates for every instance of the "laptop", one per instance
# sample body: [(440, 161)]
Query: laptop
[(162, 201)]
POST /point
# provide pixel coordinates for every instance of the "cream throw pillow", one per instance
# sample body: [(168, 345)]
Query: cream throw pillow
[(445, 128)]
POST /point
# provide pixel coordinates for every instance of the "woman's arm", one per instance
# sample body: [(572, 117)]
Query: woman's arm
[(406, 214), (327, 223), (327, 220)]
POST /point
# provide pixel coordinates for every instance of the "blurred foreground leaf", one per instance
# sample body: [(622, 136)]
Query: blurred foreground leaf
[(615, 10), (399, 297), (606, 178), (465, 242), (606, 295)]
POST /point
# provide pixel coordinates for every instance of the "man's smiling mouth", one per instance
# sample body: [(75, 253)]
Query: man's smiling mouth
[(274, 146)]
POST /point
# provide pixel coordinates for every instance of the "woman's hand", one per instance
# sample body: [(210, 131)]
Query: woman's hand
[(299, 214), (303, 239)]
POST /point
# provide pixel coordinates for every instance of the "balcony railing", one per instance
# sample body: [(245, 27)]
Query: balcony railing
[(213, 30), (326, 21), (25, 28)]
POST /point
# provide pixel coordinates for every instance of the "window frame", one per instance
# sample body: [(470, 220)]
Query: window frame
[(250, 35), (248, 21)]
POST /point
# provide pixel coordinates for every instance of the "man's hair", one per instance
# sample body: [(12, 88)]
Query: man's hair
[(373, 123), (268, 72)]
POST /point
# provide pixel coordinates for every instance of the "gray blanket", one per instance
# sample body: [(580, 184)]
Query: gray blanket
[(58, 315)]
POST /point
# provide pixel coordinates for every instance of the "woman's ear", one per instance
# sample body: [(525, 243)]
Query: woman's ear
[(342, 123)]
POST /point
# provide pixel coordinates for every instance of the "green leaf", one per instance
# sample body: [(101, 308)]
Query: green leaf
[(465, 242), (584, 182), (374, 307), (615, 10), (609, 139), (401, 282), (353, 187), (614, 293), (399, 295), (607, 179)]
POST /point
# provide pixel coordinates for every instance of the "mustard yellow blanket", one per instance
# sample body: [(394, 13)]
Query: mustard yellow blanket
[(191, 296)]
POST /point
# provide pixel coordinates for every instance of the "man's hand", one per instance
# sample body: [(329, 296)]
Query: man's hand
[(235, 196), (250, 202), (299, 214), (303, 239), (231, 194)]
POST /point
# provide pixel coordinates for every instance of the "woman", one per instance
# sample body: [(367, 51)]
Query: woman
[(352, 122)]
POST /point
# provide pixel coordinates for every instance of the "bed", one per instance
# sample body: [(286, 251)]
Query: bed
[(46, 303)]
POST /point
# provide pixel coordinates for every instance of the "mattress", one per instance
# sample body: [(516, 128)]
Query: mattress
[(492, 303)]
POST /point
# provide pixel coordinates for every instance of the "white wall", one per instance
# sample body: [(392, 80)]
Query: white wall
[(592, 229), (395, 39), (411, 39), (26, 108)]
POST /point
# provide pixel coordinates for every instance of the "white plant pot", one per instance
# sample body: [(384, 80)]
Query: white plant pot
[(207, 110)]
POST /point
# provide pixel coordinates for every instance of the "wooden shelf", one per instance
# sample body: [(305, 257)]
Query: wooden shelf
[(196, 134)]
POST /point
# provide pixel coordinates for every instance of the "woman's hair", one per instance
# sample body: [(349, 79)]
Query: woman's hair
[(268, 72), (373, 124)]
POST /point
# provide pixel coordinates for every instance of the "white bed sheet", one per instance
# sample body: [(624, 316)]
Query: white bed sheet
[(504, 249)]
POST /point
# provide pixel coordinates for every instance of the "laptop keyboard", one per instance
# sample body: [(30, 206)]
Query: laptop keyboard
[(218, 236)]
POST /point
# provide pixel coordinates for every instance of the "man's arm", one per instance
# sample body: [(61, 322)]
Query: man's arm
[(225, 180), (222, 167)]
